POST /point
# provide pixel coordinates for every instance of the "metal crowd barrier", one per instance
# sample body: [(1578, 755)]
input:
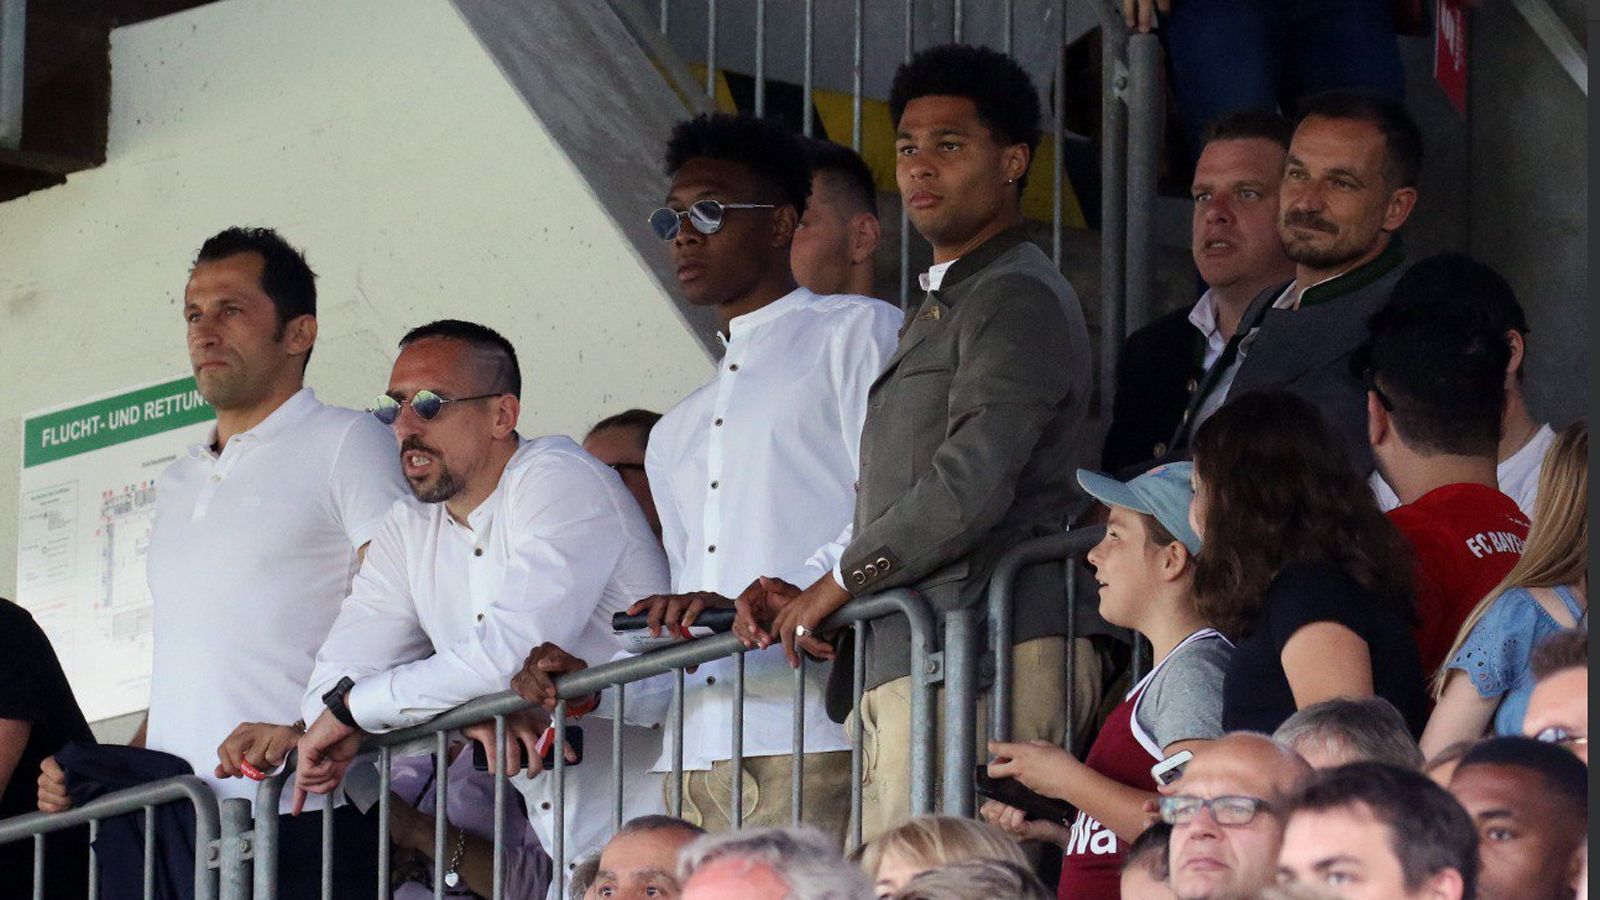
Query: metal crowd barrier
[(616, 676), (213, 852)]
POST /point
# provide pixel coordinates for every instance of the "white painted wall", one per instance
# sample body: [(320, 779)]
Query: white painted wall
[(378, 136)]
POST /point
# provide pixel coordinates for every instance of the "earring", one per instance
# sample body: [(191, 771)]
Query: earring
[(1011, 181)]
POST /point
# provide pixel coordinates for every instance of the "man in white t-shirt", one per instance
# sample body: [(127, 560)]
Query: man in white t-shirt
[(1473, 295), (505, 544), (257, 534)]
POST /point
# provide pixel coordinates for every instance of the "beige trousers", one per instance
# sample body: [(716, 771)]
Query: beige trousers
[(1038, 711), (767, 799)]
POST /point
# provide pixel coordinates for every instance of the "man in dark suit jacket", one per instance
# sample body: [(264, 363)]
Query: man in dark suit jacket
[(1349, 185), (1236, 248), (970, 430)]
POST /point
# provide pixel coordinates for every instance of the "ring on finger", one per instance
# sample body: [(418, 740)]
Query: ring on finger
[(801, 631)]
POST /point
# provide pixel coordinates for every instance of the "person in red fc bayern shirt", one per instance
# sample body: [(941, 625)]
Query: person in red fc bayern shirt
[(1435, 388)]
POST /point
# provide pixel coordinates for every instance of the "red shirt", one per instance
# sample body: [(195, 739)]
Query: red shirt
[(1466, 538), (1091, 864)]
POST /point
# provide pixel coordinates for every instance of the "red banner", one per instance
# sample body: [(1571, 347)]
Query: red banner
[(1450, 52)]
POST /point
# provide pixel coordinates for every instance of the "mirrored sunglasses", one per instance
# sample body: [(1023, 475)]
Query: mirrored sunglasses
[(705, 215), (425, 403)]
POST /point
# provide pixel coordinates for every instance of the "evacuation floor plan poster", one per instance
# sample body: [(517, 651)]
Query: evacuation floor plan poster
[(86, 506)]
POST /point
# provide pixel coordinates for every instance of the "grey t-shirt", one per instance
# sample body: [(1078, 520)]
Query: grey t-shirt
[(1183, 701)]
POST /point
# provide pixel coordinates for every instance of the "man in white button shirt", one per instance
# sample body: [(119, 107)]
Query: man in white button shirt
[(506, 543), (755, 471), (257, 534)]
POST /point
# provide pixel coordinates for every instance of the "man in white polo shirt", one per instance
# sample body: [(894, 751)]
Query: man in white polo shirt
[(506, 543), (257, 535)]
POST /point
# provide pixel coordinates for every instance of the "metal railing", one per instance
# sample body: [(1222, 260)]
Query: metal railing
[(212, 852), (616, 676), (1131, 111)]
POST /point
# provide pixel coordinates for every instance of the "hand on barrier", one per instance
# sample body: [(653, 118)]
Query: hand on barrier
[(326, 750), (1039, 766), (1141, 14), (677, 611), (1016, 823), (53, 787), (797, 621), (536, 683), (524, 729), (255, 749), (757, 607)]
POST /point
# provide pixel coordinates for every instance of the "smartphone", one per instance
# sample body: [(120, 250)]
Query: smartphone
[(1170, 769), (1012, 793), (480, 757)]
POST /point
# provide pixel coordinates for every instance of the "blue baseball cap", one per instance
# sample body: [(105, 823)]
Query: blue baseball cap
[(1163, 492)]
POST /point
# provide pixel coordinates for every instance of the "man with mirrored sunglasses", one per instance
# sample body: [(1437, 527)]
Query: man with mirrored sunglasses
[(1226, 815), (506, 543), (756, 470)]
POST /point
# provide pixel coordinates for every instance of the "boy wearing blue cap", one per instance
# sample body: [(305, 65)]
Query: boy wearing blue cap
[(1145, 568)]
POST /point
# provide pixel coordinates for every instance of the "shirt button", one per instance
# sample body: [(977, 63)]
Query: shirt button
[(717, 423), (480, 617), (713, 485), (733, 367), (712, 548), (711, 679), (545, 805), (477, 551)]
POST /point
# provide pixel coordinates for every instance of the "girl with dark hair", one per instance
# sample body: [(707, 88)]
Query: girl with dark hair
[(1300, 565)]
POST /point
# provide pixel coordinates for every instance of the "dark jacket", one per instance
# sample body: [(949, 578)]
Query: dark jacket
[(1159, 370), (96, 770), (968, 447)]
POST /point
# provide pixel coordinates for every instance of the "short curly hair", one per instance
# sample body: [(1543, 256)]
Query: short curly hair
[(767, 148), (1007, 101)]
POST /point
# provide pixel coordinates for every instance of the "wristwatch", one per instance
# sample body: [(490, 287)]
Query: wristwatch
[(334, 701)]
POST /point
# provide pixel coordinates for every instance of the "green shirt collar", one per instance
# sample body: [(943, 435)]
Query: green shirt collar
[(1357, 278)]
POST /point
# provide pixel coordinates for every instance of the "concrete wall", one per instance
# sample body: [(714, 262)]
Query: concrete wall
[(383, 139)]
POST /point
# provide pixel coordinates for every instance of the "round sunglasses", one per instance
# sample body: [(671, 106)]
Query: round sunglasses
[(425, 403), (705, 215)]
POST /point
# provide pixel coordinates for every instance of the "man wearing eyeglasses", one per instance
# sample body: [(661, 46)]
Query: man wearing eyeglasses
[(507, 543), (1226, 816), (256, 535)]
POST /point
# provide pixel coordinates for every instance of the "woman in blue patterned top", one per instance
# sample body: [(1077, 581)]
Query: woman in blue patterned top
[(1487, 679)]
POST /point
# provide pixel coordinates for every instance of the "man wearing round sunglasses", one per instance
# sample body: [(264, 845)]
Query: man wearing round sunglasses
[(1226, 814), (755, 470), (507, 543)]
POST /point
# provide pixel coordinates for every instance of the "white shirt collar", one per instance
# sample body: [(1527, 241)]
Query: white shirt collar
[(1204, 314), (290, 410), (934, 277), (771, 312)]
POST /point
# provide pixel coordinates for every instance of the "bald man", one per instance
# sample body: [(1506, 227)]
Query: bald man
[(1225, 814)]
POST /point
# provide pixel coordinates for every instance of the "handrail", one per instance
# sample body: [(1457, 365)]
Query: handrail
[(1063, 546), (207, 820), (1558, 39)]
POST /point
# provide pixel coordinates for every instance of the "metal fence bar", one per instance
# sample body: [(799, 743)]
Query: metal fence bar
[(148, 871), (664, 5), (855, 79), (905, 220), (38, 867), (1010, 24), (441, 810), (1113, 209), (498, 873), (559, 832), (711, 50), (1069, 737), (1001, 613), (1057, 163), (675, 789), (960, 705), (737, 740), (385, 760), (955, 21), (327, 849), (761, 57), (797, 765), (1564, 48), (1144, 136), (234, 883), (807, 76), (616, 758), (13, 30)]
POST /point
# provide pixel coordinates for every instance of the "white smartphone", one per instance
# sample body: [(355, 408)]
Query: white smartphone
[(1170, 769)]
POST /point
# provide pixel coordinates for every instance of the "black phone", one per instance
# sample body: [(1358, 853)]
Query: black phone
[(1012, 793), (480, 756)]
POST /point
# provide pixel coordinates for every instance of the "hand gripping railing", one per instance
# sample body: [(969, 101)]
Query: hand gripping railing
[(616, 676), (211, 852), (1066, 547)]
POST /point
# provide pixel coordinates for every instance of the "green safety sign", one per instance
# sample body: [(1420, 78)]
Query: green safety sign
[(113, 420)]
